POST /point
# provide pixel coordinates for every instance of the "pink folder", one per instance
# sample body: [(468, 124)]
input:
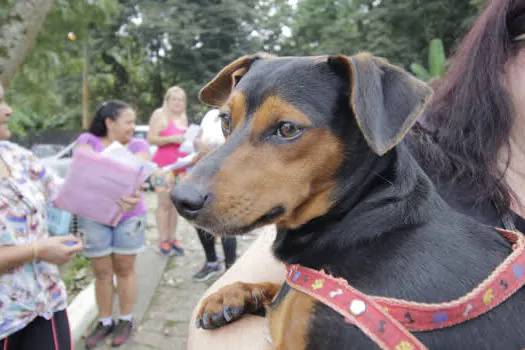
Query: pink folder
[(93, 185)]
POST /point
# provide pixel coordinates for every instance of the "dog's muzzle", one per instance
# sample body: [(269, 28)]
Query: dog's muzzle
[(189, 199)]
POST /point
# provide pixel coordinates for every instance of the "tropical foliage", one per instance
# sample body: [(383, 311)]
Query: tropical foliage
[(135, 49)]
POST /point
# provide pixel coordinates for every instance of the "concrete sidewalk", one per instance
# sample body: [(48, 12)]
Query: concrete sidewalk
[(150, 268), (165, 325)]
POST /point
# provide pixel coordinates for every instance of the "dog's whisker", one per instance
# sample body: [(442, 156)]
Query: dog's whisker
[(382, 177)]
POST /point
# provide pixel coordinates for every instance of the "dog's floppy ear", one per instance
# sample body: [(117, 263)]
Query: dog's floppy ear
[(217, 91), (385, 99)]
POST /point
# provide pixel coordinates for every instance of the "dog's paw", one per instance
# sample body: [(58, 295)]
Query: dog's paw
[(228, 305)]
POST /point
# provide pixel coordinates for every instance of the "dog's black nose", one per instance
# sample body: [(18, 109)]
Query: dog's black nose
[(189, 199)]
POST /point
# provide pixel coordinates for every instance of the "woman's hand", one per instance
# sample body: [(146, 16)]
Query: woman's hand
[(54, 250), (176, 138), (128, 203)]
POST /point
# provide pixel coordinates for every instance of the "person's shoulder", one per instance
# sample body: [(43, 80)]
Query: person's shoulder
[(138, 145), (16, 148), (137, 141), (86, 136), (158, 111), (158, 114), (90, 140), (17, 154), (11, 145), (158, 118)]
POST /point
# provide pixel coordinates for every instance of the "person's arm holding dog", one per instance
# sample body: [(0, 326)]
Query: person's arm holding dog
[(256, 265)]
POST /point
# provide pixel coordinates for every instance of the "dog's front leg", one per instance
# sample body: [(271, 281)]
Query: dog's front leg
[(231, 302)]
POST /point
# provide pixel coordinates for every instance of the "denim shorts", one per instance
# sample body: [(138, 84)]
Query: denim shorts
[(127, 238)]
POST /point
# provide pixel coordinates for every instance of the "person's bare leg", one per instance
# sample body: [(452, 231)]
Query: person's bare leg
[(104, 289), (164, 207), (172, 228), (124, 266)]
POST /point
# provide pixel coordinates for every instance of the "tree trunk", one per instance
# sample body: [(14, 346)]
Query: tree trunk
[(85, 89), (18, 33)]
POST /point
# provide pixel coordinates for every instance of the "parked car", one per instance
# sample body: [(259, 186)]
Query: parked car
[(59, 162), (46, 150)]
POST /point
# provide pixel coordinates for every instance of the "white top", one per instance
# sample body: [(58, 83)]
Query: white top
[(211, 128)]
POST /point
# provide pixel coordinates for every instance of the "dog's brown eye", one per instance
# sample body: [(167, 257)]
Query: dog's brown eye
[(226, 125), (288, 130)]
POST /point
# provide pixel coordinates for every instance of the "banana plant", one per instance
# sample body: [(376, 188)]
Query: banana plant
[(437, 63)]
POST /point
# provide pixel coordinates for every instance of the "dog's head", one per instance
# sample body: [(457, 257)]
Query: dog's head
[(292, 124)]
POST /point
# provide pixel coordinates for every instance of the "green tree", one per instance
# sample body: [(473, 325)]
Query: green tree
[(50, 80), (136, 49), (20, 22), (190, 41), (396, 29)]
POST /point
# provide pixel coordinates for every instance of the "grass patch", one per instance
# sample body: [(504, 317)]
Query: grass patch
[(170, 323), (69, 273), (70, 270), (155, 296), (172, 263)]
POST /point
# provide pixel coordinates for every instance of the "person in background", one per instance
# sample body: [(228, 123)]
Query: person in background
[(470, 141), (33, 298), (113, 250), (166, 129), (209, 138)]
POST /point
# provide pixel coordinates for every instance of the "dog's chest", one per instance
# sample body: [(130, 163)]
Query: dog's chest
[(299, 322), (289, 319)]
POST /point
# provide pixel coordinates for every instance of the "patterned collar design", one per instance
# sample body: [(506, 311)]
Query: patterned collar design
[(389, 322)]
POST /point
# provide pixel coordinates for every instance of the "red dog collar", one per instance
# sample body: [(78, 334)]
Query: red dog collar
[(388, 321)]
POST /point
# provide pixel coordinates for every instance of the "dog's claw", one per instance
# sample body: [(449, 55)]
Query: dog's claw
[(237, 311), (227, 314), (217, 320), (231, 303), (206, 321), (198, 322)]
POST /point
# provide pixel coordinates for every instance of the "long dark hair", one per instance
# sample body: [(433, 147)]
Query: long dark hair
[(107, 110), (469, 118)]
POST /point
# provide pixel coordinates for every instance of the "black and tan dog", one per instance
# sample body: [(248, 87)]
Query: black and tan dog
[(314, 146)]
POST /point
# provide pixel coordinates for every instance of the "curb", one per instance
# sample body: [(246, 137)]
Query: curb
[(82, 311)]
